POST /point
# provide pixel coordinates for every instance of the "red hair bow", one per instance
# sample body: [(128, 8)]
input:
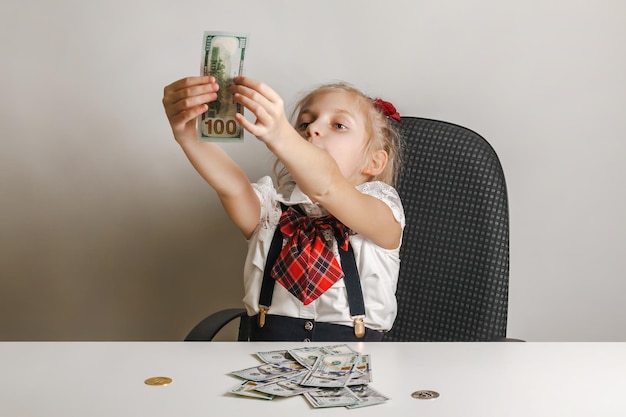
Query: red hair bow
[(388, 109)]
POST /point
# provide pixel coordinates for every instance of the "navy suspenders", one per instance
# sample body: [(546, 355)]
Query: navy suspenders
[(351, 280)]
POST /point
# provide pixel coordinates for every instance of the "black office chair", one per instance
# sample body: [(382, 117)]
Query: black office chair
[(454, 273)]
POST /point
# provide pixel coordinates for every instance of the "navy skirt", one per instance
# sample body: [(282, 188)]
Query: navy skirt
[(290, 329)]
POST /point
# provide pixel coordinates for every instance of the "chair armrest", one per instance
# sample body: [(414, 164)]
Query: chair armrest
[(208, 328)]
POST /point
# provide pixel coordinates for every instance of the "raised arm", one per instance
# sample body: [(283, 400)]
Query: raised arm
[(315, 170), (185, 100)]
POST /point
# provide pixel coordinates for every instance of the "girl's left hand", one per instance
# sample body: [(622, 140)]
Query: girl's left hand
[(271, 122)]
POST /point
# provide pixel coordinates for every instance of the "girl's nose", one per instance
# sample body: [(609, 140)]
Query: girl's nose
[(313, 130)]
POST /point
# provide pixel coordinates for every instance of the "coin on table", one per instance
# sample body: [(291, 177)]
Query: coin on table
[(158, 381), (425, 395)]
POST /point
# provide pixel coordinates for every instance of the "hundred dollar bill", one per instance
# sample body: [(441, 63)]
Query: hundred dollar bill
[(367, 396), (247, 389), (362, 373), (331, 397), (331, 370), (274, 356), (338, 349), (223, 55), (308, 355), (281, 358), (286, 387), (265, 372)]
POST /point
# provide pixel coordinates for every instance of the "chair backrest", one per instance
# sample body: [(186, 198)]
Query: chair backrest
[(454, 274)]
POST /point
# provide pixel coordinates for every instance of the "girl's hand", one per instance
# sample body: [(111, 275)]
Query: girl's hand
[(268, 107), (184, 100)]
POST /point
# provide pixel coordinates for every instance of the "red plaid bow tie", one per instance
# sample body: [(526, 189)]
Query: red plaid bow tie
[(306, 266)]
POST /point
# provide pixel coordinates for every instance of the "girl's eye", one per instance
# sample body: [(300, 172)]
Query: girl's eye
[(303, 125), (340, 126)]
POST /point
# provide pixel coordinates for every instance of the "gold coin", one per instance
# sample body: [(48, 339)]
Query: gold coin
[(425, 395), (158, 381)]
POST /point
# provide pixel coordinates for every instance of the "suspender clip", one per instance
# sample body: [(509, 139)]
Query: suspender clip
[(359, 326), (262, 311)]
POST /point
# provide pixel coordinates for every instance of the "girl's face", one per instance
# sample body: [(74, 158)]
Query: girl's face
[(333, 121)]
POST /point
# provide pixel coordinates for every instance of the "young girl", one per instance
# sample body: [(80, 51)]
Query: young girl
[(323, 254)]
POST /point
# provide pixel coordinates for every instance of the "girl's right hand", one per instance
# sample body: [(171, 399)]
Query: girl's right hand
[(184, 100)]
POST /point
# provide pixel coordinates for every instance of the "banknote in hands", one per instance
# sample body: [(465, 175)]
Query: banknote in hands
[(223, 55)]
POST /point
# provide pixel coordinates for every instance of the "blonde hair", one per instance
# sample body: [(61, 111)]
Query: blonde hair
[(382, 133)]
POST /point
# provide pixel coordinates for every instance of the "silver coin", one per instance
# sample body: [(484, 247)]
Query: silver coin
[(425, 395)]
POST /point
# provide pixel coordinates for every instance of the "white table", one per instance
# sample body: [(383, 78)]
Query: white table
[(474, 379)]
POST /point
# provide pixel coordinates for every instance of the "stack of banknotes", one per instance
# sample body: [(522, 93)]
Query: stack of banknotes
[(327, 376)]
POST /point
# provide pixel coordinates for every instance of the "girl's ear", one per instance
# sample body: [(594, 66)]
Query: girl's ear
[(375, 163)]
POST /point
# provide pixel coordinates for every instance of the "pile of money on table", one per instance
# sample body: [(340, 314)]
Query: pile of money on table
[(327, 376)]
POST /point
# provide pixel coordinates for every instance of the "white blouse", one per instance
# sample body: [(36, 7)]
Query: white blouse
[(378, 267)]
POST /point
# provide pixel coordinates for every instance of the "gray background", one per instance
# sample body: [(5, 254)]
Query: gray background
[(107, 233)]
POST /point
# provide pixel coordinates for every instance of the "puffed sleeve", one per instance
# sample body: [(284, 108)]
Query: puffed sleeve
[(388, 195), (270, 210)]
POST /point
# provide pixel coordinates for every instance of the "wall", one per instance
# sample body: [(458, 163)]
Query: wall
[(107, 233)]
